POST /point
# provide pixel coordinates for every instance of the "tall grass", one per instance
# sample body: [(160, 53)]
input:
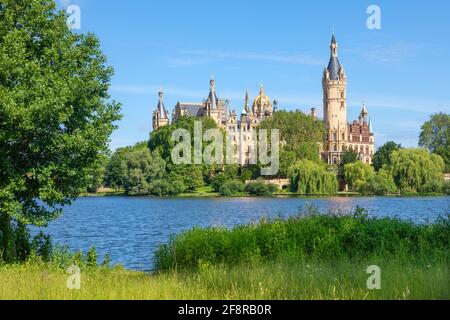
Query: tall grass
[(282, 280), (314, 236)]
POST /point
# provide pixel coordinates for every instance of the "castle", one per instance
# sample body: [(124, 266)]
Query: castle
[(340, 135)]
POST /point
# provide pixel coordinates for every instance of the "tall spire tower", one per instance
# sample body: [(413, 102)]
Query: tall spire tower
[(160, 116), (334, 85)]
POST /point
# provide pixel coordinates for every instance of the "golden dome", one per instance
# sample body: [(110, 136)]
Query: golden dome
[(262, 103)]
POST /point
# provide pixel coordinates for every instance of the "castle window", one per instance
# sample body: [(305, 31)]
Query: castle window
[(334, 148), (334, 136)]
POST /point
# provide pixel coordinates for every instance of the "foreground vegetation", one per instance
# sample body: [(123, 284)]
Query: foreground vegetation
[(312, 256), (274, 280)]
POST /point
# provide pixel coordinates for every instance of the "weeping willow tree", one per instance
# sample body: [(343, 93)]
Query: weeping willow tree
[(311, 178), (417, 171)]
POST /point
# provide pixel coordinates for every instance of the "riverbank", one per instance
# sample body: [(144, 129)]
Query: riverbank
[(208, 192), (311, 256)]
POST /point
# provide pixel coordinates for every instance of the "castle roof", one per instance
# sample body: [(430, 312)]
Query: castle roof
[(162, 111), (334, 66)]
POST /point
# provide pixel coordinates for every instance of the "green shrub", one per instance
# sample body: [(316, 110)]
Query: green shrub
[(232, 188), (446, 188), (322, 237), (260, 189)]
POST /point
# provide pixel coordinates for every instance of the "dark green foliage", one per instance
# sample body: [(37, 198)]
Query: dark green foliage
[(230, 172), (141, 170), (321, 237), (42, 246), (435, 136), (91, 259), (232, 188), (310, 178), (446, 188), (349, 157), (261, 189), (382, 158)]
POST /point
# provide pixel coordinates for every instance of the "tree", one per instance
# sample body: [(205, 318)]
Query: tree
[(97, 176), (349, 156), (357, 174), (310, 178), (417, 171), (382, 158), (381, 183), (300, 133), (55, 113), (114, 173), (435, 136), (142, 169)]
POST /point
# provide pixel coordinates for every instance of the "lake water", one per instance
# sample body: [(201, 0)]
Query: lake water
[(130, 229)]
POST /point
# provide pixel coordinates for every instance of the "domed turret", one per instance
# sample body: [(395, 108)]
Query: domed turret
[(262, 104)]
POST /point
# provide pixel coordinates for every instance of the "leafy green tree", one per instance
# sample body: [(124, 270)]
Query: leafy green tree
[(300, 133), (97, 176), (417, 171), (141, 169), (55, 113), (381, 183), (114, 173), (357, 174), (311, 178), (349, 156), (287, 158), (435, 136), (382, 158)]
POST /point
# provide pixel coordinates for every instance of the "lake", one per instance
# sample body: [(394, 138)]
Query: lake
[(131, 229)]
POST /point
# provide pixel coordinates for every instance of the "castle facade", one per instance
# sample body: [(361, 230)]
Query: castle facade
[(340, 135)]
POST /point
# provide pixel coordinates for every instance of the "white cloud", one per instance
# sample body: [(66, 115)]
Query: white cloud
[(201, 56)]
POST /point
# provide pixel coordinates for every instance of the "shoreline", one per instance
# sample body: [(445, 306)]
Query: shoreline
[(214, 195)]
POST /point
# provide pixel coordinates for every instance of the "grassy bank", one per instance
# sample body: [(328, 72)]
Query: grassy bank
[(278, 280), (307, 257)]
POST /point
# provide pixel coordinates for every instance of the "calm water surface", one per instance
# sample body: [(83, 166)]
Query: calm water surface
[(130, 229)]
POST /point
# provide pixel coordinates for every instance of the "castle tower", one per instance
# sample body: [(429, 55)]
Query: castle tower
[(160, 115), (214, 106), (334, 85)]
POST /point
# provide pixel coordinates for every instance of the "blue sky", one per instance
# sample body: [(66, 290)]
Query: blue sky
[(402, 71)]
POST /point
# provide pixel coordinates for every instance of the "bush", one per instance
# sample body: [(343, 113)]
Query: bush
[(446, 188), (232, 188), (323, 237), (260, 189)]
